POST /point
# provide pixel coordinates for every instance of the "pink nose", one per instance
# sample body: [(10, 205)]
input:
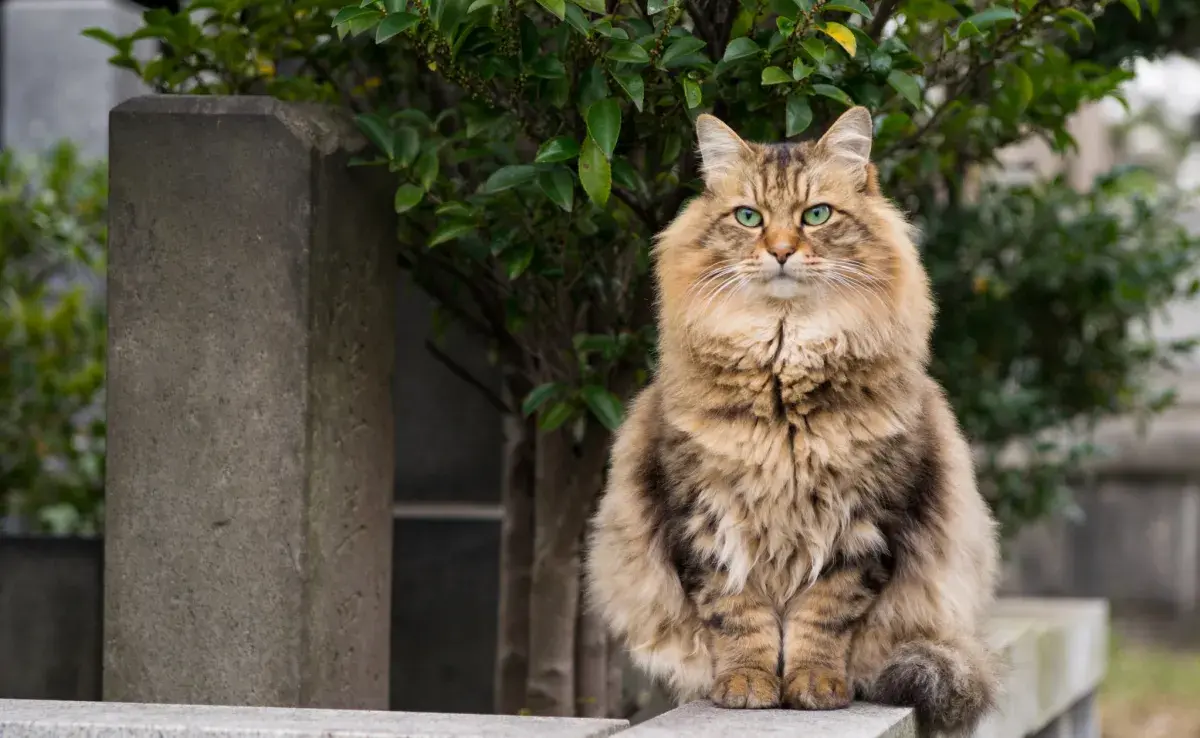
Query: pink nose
[(782, 250)]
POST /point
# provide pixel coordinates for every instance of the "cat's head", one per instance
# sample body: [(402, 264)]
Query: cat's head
[(793, 227)]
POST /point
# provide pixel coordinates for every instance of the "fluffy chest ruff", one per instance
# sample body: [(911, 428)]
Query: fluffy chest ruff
[(781, 455)]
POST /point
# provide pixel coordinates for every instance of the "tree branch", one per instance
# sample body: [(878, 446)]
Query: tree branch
[(883, 14), (459, 371), (646, 215)]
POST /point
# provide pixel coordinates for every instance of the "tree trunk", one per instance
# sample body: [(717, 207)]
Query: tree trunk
[(591, 662), (616, 680), (516, 561), (568, 480)]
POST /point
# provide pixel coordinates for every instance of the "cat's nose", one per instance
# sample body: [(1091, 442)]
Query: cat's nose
[(782, 250)]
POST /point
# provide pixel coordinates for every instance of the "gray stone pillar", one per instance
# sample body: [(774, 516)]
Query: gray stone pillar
[(56, 83), (250, 456)]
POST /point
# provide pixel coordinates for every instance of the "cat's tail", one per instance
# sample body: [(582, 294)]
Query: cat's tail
[(951, 683)]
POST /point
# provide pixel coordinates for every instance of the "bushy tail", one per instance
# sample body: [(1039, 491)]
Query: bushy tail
[(952, 684)]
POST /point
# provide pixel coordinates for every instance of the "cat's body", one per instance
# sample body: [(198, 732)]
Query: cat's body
[(791, 515)]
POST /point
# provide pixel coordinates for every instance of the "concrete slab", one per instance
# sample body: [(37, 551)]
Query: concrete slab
[(38, 719)]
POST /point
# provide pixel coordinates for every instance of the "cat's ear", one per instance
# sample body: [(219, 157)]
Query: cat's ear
[(720, 148), (849, 138)]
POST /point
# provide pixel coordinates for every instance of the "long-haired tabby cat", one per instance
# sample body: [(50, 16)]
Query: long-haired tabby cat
[(791, 514)]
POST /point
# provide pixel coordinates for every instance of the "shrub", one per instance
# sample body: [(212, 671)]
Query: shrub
[(52, 341), (539, 146)]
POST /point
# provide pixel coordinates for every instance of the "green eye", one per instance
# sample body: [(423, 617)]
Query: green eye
[(748, 217), (816, 215)]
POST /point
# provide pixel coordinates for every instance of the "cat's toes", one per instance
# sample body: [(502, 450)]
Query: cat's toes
[(746, 688), (816, 688)]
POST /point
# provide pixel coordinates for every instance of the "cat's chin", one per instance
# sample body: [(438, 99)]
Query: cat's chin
[(783, 288)]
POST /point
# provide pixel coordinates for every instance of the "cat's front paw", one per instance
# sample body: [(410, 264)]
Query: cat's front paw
[(816, 688), (749, 688)]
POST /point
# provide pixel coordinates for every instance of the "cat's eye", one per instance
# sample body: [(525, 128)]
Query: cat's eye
[(748, 217), (816, 215)]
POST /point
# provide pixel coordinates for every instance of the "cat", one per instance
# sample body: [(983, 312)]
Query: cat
[(791, 516)]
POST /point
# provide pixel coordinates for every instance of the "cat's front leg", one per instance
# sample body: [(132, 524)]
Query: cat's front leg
[(819, 624), (744, 637)]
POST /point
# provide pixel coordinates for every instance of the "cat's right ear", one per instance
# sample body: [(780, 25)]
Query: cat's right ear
[(720, 148)]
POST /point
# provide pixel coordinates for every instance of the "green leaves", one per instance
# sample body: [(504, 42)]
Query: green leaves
[(560, 148), (634, 88), (354, 20), (604, 124), (800, 70), (992, 16), (508, 177), (679, 49), (833, 93), (815, 48), (1079, 17), (604, 405), (1023, 86), (427, 167), (407, 197), (799, 114), (692, 94), (379, 132), (450, 231), (557, 8), (393, 25), (907, 86), (595, 172), (627, 51), (850, 6), (1135, 7), (539, 396), (596, 6), (774, 76), (559, 186), (740, 48)]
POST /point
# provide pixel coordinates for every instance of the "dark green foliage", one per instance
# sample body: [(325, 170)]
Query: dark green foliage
[(539, 146), (52, 341), (1043, 327)]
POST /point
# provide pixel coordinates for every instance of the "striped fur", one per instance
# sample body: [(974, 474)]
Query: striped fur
[(791, 515)]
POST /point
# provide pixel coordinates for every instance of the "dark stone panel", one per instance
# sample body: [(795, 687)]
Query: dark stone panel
[(445, 596), (50, 611), (448, 436)]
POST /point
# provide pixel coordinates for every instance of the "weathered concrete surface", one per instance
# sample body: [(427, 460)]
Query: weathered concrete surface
[(704, 720), (250, 454), (20, 719), (1070, 640), (1015, 646)]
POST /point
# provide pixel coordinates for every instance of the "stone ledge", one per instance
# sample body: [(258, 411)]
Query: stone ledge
[(1069, 641), (38, 719), (1055, 650), (703, 720)]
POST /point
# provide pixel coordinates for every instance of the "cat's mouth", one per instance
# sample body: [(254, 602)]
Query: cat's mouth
[(783, 285)]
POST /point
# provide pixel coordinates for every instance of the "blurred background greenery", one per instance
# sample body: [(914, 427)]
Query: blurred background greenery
[(53, 221)]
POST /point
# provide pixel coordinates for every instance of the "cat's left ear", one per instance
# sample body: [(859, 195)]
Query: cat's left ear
[(849, 138)]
